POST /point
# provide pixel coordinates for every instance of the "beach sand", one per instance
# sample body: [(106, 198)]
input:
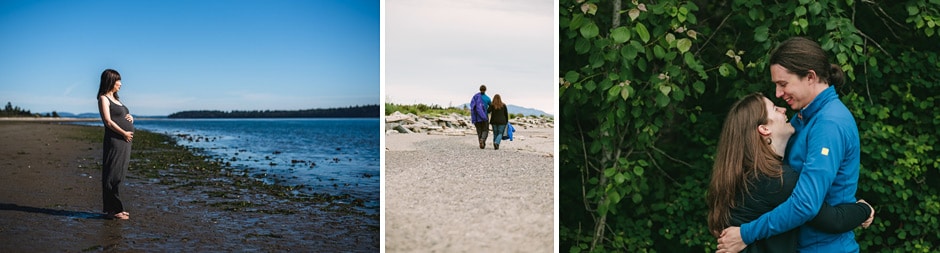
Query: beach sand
[(50, 201), (445, 194)]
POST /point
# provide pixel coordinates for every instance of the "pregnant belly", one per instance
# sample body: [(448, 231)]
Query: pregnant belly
[(126, 125)]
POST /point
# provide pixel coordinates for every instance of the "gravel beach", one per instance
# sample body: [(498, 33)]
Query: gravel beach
[(445, 194), (50, 201)]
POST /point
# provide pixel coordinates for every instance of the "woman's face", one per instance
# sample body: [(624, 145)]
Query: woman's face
[(777, 120), (117, 85)]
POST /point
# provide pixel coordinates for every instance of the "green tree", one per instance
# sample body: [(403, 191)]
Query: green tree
[(645, 87)]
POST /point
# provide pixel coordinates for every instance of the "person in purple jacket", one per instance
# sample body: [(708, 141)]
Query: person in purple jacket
[(479, 105), (824, 150)]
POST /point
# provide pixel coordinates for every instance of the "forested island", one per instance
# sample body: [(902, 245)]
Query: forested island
[(15, 111), (365, 111)]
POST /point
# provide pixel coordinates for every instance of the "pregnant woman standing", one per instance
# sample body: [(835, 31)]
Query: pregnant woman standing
[(118, 133)]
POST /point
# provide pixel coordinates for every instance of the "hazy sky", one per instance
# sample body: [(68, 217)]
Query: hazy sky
[(190, 55), (439, 52)]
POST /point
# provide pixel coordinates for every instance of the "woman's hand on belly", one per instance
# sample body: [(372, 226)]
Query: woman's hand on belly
[(128, 136)]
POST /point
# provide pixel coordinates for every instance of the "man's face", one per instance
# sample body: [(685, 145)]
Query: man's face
[(791, 88)]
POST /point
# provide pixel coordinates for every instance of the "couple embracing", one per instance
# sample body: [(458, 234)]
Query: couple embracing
[(787, 187), (485, 112)]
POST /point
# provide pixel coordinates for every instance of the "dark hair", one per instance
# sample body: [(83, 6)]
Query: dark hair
[(483, 88), (108, 78), (497, 102), (741, 154), (800, 55)]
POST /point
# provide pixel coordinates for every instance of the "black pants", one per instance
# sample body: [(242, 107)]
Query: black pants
[(483, 129)]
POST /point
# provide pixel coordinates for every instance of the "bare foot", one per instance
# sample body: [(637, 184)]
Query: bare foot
[(121, 216)]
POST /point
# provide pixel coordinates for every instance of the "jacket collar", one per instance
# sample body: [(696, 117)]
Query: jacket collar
[(817, 104)]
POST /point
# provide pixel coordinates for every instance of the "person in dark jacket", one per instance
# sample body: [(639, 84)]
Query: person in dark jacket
[(750, 179), (499, 117)]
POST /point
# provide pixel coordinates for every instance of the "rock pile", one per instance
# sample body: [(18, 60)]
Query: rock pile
[(452, 124)]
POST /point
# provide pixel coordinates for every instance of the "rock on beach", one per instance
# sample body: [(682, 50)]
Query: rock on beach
[(452, 124)]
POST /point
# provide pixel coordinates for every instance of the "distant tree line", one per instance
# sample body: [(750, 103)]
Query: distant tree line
[(420, 109), (15, 111), (365, 111)]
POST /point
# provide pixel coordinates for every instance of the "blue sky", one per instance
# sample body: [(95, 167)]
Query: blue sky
[(439, 52), (190, 55)]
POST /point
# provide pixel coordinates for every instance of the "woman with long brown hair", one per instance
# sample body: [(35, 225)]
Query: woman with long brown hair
[(749, 177), (499, 118), (118, 134)]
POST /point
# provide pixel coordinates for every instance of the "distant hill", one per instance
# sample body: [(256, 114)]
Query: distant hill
[(367, 111), (514, 109)]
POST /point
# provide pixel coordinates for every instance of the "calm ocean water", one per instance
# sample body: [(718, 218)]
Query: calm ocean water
[(334, 156)]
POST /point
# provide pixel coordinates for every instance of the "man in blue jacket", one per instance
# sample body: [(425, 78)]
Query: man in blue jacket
[(824, 150)]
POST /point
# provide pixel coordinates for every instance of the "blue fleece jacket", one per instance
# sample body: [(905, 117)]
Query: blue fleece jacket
[(825, 151)]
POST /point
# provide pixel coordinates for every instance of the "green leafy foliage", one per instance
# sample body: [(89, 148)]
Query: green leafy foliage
[(642, 102)]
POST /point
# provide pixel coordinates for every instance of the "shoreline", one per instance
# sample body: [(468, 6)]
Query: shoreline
[(46, 119), (347, 170), (178, 200)]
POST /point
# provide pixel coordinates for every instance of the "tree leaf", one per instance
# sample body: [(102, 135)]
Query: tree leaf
[(625, 92), (576, 21), (800, 11), (665, 89), (628, 53), (572, 76), (589, 8), (614, 90), (589, 30), (684, 44), (659, 52), (590, 86), (724, 70), (620, 34), (582, 46), (613, 195), (661, 101), (815, 8), (644, 34), (633, 13), (761, 33), (912, 10), (699, 87)]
